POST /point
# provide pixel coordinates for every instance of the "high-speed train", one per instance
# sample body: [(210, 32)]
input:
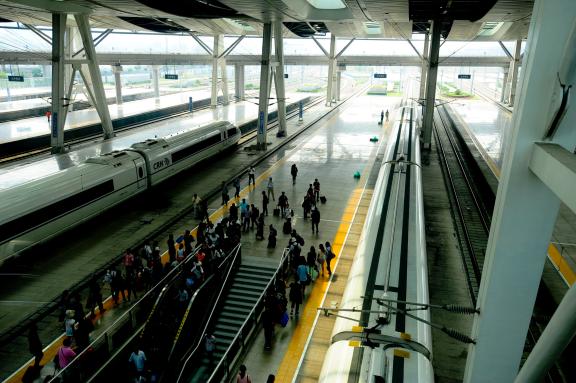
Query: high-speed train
[(375, 337), (35, 211)]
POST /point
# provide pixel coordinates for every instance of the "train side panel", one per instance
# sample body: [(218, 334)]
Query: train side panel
[(47, 207)]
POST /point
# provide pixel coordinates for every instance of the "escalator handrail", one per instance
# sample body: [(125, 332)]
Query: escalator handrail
[(214, 306), (160, 285), (233, 254), (279, 269)]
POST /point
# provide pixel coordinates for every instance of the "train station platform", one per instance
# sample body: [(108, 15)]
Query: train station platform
[(38, 106), (329, 151), (486, 125), (84, 251)]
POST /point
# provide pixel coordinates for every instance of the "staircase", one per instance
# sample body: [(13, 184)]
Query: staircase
[(247, 286)]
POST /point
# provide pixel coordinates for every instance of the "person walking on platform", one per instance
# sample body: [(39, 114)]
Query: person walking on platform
[(294, 173), (316, 190), (260, 227), (329, 257), (225, 196), (268, 325), (94, 297), (272, 237), (243, 376), (204, 210), (65, 353), (252, 176), (34, 344), (306, 205), (48, 115), (386, 114), (283, 203), (315, 216), (188, 239), (321, 258), (237, 188), (171, 247), (265, 201), (295, 298), (270, 188), (381, 117)]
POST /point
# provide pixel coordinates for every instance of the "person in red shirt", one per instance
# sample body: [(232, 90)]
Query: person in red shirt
[(48, 115)]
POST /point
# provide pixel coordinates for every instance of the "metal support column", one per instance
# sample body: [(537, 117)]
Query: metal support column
[(57, 122), (331, 68), (526, 209), (279, 83), (117, 69), (504, 86), (436, 27), (514, 72), (214, 83), (239, 85), (338, 83), (223, 72), (424, 70), (82, 20), (156, 81), (264, 86), (556, 336)]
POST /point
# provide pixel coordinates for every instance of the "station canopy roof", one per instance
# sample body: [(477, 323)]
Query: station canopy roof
[(481, 20)]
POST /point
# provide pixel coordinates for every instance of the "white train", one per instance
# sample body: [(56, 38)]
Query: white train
[(390, 263), (35, 211)]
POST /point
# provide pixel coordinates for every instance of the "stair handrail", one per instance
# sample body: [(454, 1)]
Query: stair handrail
[(283, 264), (140, 330), (214, 306), (126, 315), (233, 254)]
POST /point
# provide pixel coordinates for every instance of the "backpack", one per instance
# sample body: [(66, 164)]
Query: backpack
[(300, 240), (284, 319)]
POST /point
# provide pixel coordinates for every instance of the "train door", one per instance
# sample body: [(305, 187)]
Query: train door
[(141, 173)]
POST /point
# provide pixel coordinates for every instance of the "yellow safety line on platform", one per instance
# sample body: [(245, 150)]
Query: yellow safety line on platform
[(298, 343), (289, 363), (561, 265)]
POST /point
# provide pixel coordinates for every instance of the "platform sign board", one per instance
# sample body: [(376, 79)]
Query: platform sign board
[(285, 75), (379, 75), (465, 76), (190, 104), (171, 77), (16, 78), (261, 123), (300, 110), (55, 124)]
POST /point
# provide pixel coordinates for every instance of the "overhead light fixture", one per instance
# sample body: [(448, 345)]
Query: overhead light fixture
[(327, 4), (240, 24), (372, 28)]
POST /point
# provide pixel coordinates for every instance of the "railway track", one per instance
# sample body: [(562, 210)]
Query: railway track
[(472, 215)]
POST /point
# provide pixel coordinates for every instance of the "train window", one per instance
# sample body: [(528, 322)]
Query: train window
[(140, 172), (195, 148), (51, 212), (231, 132)]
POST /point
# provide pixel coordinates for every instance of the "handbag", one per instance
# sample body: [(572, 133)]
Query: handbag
[(277, 212)]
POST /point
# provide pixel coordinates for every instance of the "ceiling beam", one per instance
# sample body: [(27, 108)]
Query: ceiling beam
[(320, 46), (39, 33), (505, 50), (345, 47), (97, 41), (201, 43)]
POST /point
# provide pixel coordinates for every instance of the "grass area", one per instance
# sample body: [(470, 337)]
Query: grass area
[(310, 88)]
